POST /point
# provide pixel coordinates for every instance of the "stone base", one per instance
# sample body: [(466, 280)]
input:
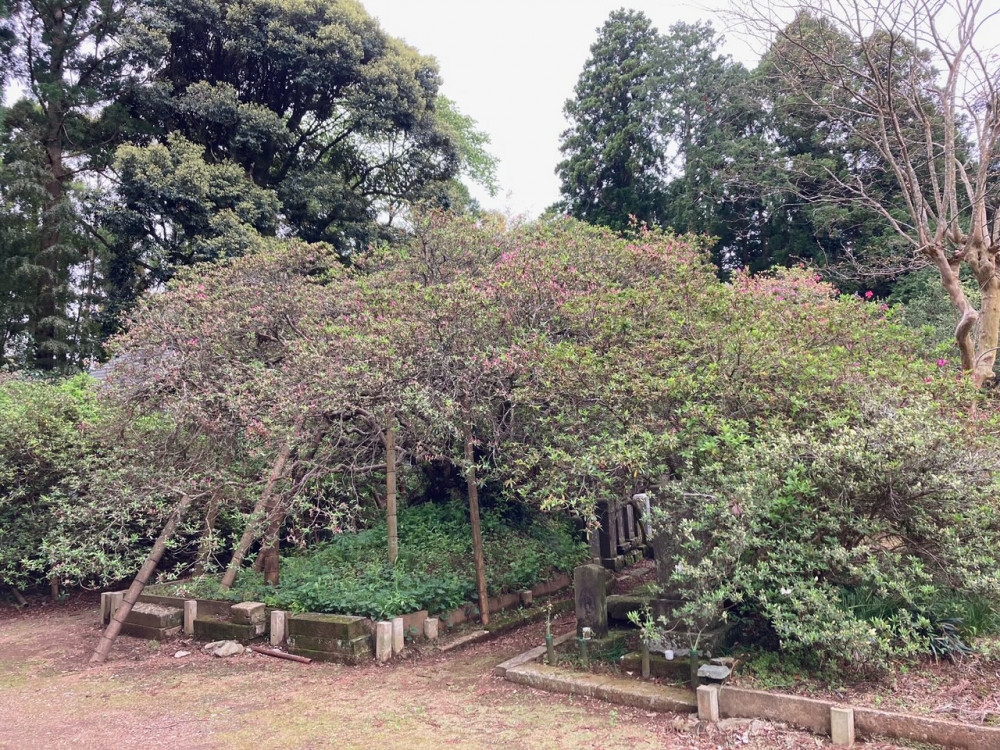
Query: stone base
[(220, 630), (609, 647), (155, 616), (332, 627), (353, 651), (619, 605), (150, 633), (603, 649)]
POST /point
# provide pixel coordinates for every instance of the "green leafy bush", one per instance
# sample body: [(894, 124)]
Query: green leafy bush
[(896, 505), (350, 574), (46, 442)]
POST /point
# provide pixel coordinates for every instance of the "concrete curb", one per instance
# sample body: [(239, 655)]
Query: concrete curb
[(818, 716), (476, 636), (500, 670), (533, 615), (604, 687), (814, 715)]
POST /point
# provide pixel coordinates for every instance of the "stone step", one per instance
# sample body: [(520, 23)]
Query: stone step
[(149, 615), (353, 651), (333, 627), (149, 633), (212, 629)]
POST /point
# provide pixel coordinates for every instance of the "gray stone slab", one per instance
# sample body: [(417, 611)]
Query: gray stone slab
[(590, 588), (612, 689), (155, 616), (714, 672)]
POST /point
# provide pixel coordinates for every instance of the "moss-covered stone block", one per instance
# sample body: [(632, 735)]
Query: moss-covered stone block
[(206, 607), (208, 629), (331, 627), (149, 633), (155, 616), (352, 651)]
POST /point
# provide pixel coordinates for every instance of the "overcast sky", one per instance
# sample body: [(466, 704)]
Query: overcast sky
[(512, 65)]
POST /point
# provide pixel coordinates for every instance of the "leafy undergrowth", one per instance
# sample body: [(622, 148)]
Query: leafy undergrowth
[(966, 688), (435, 571)]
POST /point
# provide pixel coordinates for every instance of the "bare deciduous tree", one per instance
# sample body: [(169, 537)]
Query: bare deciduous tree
[(917, 83)]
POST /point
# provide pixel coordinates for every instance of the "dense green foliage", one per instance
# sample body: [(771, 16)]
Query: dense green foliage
[(667, 130), (350, 575), (615, 150), (800, 445), (795, 440), (46, 443), (149, 136)]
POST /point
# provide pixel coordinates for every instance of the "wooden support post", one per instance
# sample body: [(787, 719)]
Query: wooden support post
[(477, 530), (390, 492), (142, 578)]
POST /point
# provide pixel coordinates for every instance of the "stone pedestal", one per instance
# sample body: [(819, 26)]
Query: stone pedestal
[(383, 641), (398, 635), (279, 627), (190, 615), (251, 613), (590, 587), (842, 726)]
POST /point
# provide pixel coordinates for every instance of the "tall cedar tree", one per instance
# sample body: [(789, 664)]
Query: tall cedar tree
[(616, 159)]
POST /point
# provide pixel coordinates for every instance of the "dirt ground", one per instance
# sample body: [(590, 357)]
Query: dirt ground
[(145, 698)]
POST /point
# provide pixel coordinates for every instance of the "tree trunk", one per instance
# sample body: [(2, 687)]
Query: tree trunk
[(390, 493), (205, 543), (989, 330), (968, 315), (18, 596), (264, 506), (272, 562), (47, 353), (477, 531), (132, 595)]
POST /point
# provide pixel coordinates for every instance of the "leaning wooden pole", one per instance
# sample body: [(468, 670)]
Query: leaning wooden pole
[(261, 508), (390, 493), (132, 595), (477, 530)]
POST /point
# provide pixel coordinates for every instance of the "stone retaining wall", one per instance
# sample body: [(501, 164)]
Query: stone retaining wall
[(340, 638)]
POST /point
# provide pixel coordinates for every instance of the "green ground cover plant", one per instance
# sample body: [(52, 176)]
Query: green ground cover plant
[(350, 575)]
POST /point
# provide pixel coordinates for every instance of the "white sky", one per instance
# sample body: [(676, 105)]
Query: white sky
[(512, 65)]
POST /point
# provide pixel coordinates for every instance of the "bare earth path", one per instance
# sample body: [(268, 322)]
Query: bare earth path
[(145, 698)]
